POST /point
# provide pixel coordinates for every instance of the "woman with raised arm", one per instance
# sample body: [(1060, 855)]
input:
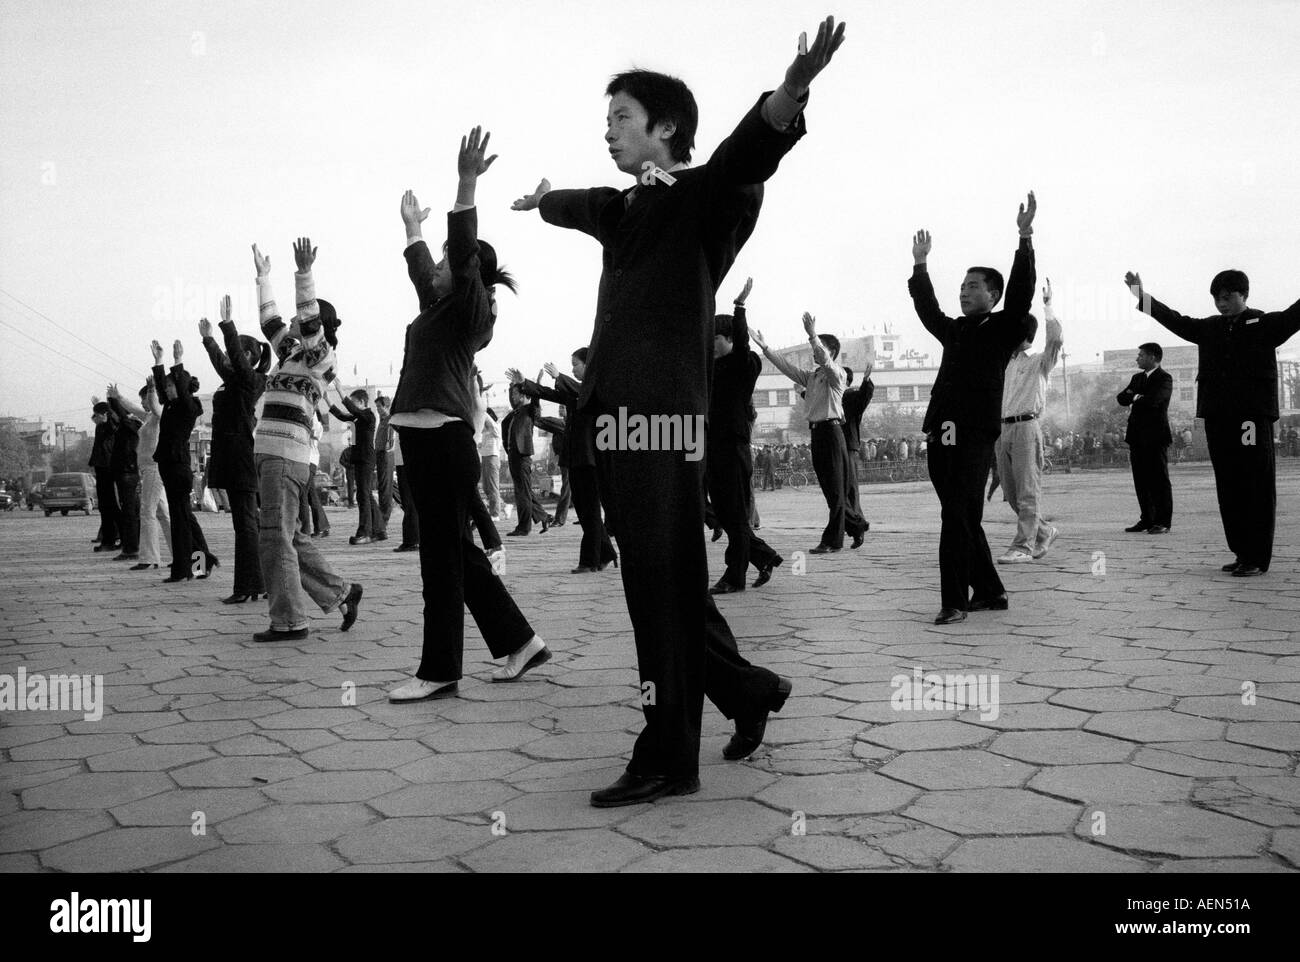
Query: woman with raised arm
[(433, 412)]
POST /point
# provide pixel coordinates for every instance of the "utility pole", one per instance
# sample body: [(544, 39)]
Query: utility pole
[(1065, 386)]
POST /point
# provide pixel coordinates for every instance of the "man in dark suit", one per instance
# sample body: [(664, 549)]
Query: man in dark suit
[(517, 437), (730, 470), (855, 404), (101, 456), (1237, 397), (371, 524), (964, 417), (667, 245), (1148, 438)]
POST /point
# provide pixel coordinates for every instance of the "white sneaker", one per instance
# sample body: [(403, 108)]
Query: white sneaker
[(531, 655), (1015, 556), (417, 689), (1041, 549)]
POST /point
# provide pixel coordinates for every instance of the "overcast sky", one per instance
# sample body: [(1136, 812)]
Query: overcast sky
[(146, 145)]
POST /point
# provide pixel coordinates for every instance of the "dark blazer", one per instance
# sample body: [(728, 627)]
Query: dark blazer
[(517, 431), (1148, 416), (968, 388), (577, 445), (126, 440), (230, 465), (178, 417), (441, 342), (732, 393), (1237, 370), (664, 257), (363, 447), (855, 404), (101, 452)]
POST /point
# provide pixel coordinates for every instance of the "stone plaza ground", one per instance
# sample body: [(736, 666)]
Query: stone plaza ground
[(1149, 716)]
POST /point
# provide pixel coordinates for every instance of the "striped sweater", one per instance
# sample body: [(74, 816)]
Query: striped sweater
[(297, 385)]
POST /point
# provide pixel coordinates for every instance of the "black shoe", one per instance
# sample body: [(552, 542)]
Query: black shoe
[(547, 522), (725, 588), (1248, 571), (988, 604), (127, 556), (558, 523), (948, 616), (272, 635), (238, 599), (348, 607), (108, 547), (516, 534), (142, 567), (749, 734), (175, 578), (380, 537), (717, 534), (359, 539), (858, 539), (765, 574), (1140, 526), (634, 789), (1232, 567), (586, 569), (1158, 529), (823, 549), (213, 562), (407, 547)]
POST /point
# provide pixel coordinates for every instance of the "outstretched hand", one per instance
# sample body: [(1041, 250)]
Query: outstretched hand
[(470, 163), (261, 263), (921, 246), (227, 311), (304, 255), (809, 324), (177, 351), (530, 201), (551, 369), (157, 352), (808, 63), (1047, 292), (756, 336), (744, 291), (1025, 219), (513, 375), (412, 215), (205, 327), (1134, 282)]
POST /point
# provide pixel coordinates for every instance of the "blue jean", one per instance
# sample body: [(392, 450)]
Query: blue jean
[(291, 561)]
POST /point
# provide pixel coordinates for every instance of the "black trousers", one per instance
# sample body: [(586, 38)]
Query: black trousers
[(350, 476), (443, 467), (731, 489), (481, 519), (1245, 478), (596, 548), (958, 473), (852, 497), (684, 648), (527, 507), (370, 524), (109, 511), (384, 486), (248, 563), (320, 520), (829, 454), (187, 536), (127, 488), (410, 517), (566, 496), (1150, 464)]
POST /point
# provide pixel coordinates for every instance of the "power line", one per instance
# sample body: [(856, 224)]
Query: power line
[(49, 319), (111, 378)]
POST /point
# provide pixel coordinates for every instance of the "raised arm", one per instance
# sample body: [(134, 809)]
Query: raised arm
[(785, 367), (419, 262), (1188, 328), (574, 209), (1282, 325), (274, 329), (243, 371), (740, 322), (922, 290), (1018, 298), (1055, 341), (219, 361)]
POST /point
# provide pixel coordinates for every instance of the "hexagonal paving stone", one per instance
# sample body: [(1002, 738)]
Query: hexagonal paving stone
[(71, 746), (243, 859), (833, 853), (1286, 843), (358, 756), (127, 850), (849, 793), (960, 768), (1279, 736), (149, 758), (1038, 854), (1111, 699), (37, 830), (239, 772), (292, 824), (97, 791), (178, 807), (335, 787), (483, 737), (746, 859), (197, 733), (1220, 866), (453, 798), (1061, 747), (1231, 707), (678, 823), (581, 745), (1155, 726), (993, 811), (927, 735), (1171, 829), (1026, 717), (1095, 784), (411, 840), (594, 850)]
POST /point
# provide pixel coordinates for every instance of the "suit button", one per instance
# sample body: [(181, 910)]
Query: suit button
[(608, 317)]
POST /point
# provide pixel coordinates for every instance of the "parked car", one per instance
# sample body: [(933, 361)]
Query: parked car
[(35, 495), (69, 492), (6, 500)]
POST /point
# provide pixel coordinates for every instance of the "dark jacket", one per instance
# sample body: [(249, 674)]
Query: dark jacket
[(126, 440), (517, 431), (230, 464), (1148, 416), (101, 452), (663, 260), (441, 342), (578, 448), (178, 417), (732, 393), (855, 404), (1237, 371), (968, 388), (363, 447)]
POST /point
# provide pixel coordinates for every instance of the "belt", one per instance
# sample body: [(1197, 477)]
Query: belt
[(1019, 417)]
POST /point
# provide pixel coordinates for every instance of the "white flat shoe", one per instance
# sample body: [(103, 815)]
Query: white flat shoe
[(1015, 557), (531, 655), (417, 689)]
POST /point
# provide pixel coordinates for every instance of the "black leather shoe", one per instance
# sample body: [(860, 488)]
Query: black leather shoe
[(516, 534), (272, 635), (380, 537), (749, 733), (634, 789), (717, 534), (948, 616), (175, 578), (1140, 526), (725, 588), (126, 556), (407, 547), (359, 539), (239, 599), (586, 569), (858, 539), (108, 547), (1231, 567), (546, 523), (1158, 529), (348, 607), (1248, 571), (142, 567), (823, 549), (765, 574), (988, 604)]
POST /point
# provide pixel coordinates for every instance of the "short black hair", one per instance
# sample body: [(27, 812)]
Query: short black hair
[(665, 99), (1152, 348), (488, 271), (329, 320), (360, 395), (848, 375), (992, 277), (723, 324), (1031, 329), (580, 354), (1230, 282), (832, 344)]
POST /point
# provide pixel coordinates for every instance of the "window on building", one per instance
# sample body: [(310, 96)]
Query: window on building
[(761, 399), (907, 393), (923, 392), (1185, 393), (889, 345)]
